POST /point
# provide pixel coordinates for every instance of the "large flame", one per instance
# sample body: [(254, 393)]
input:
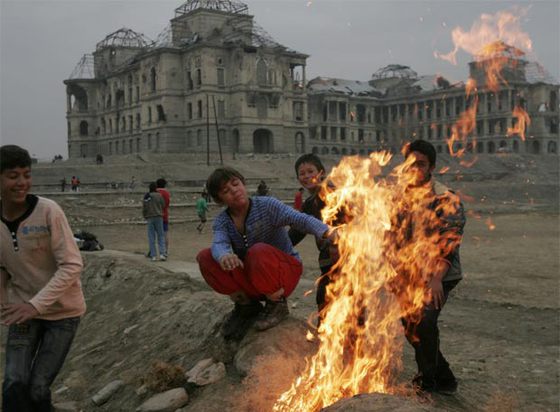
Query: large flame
[(388, 247)]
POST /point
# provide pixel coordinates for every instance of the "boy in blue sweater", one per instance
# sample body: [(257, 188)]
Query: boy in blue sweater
[(252, 258)]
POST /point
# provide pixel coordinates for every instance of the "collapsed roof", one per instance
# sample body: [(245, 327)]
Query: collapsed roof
[(227, 6), (124, 38)]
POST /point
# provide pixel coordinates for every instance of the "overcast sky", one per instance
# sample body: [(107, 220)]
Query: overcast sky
[(42, 41)]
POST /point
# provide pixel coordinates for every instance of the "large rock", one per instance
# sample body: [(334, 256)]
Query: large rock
[(165, 402)]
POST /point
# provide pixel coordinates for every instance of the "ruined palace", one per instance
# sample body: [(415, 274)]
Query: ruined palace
[(214, 80)]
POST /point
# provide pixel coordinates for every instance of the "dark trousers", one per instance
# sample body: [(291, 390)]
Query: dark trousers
[(424, 337), (35, 353)]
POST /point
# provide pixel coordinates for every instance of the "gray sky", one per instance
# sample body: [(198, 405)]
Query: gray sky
[(42, 41)]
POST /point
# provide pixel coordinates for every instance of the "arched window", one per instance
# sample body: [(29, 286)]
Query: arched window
[(83, 128), (491, 147), (315, 150), (552, 147)]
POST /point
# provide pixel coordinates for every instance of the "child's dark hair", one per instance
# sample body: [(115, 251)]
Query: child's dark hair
[(220, 176), (424, 147), (311, 158), (153, 187), (161, 183), (12, 156)]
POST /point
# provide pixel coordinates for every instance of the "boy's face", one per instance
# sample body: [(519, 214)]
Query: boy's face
[(421, 169), (233, 193), (309, 176), (15, 184)]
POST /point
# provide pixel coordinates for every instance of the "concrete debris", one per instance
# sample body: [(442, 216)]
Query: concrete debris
[(165, 402)]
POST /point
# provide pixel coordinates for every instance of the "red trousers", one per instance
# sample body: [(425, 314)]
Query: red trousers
[(266, 270)]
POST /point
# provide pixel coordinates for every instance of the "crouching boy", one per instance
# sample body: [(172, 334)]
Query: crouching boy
[(252, 258), (40, 291)]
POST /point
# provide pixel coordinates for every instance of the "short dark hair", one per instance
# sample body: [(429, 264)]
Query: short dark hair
[(220, 176), (424, 147), (12, 156), (153, 187), (161, 182), (310, 158)]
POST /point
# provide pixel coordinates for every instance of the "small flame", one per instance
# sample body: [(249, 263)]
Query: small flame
[(522, 121), (490, 224)]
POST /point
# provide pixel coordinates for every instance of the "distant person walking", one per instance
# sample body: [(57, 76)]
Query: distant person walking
[(74, 182), (132, 183), (63, 184), (201, 209), (152, 210), (161, 183), (298, 200)]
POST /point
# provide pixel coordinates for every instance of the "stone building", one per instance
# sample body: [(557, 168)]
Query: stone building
[(213, 72), (397, 105), (215, 80)]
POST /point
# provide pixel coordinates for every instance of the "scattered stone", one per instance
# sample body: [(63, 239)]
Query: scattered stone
[(70, 406), (60, 390), (205, 373), (165, 402), (199, 367), (142, 390), (104, 394), (130, 329)]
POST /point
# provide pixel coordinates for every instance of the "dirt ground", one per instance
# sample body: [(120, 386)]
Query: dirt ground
[(500, 329)]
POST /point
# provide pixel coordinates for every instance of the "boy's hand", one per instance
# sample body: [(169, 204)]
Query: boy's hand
[(230, 262), (435, 289), (17, 313)]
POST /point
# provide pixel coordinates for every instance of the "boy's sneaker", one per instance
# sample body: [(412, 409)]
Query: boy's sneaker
[(240, 320), (163, 258), (154, 259), (273, 313)]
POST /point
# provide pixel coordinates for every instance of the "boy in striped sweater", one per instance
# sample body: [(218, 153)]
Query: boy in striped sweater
[(252, 258)]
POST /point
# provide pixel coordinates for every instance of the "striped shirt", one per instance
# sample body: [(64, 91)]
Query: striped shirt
[(266, 222)]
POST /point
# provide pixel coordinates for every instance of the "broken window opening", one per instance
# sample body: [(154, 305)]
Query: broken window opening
[(198, 77), (189, 111), (153, 79), (298, 111), (221, 76), (161, 113), (149, 115), (84, 128), (361, 113), (199, 109), (262, 71), (333, 133)]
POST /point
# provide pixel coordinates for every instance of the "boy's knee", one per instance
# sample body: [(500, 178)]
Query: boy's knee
[(257, 249), (203, 256)]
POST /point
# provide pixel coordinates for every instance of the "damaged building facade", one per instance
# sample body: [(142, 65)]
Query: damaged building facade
[(212, 72), (397, 105), (215, 80)]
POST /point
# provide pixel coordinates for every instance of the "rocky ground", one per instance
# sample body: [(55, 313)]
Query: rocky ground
[(500, 329)]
